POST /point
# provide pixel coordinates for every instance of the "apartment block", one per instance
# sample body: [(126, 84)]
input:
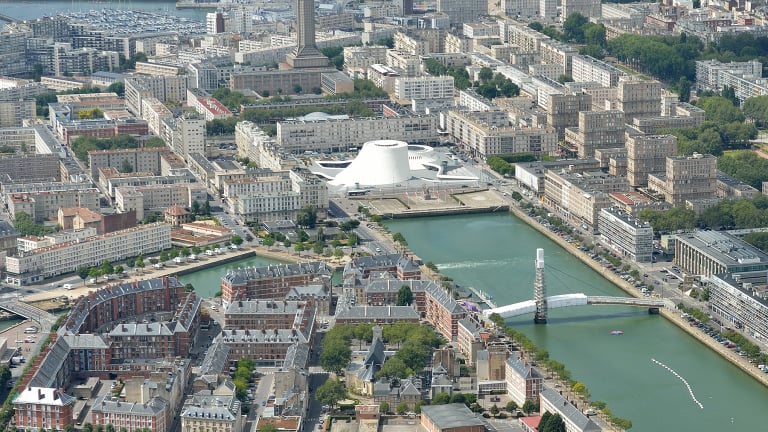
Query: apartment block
[(153, 415), (12, 113), (266, 347), (161, 339), (471, 338), (528, 39), (564, 108), (218, 410), (41, 408), (13, 46), (45, 205), (647, 154), (596, 130), (686, 178), (524, 382), (141, 159), (272, 282), (331, 134), (40, 264), (403, 63), (628, 236), (439, 87), (162, 88), (419, 42), (590, 69), (157, 197), (25, 167), (638, 98), (36, 139), (554, 52), (579, 197), (249, 139), (729, 187), (357, 60), (270, 314), (587, 8), (741, 304), (154, 111), (483, 139)]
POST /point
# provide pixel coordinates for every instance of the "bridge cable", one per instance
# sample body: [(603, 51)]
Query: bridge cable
[(570, 276)]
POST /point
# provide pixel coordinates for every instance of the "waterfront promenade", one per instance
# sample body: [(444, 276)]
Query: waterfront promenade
[(670, 311)]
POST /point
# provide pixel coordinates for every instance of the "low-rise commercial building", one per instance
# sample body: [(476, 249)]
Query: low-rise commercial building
[(713, 252)]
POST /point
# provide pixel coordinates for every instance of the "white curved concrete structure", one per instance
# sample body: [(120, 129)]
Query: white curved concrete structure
[(379, 162)]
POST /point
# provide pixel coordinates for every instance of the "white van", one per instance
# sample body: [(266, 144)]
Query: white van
[(68, 286)]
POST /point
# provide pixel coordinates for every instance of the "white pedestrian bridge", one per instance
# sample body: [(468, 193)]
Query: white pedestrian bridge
[(579, 299)]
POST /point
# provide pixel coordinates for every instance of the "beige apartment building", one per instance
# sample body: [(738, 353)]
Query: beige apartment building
[(298, 136), (45, 205), (141, 159), (596, 130), (686, 178), (483, 139), (579, 197), (37, 265), (638, 98), (647, 154)]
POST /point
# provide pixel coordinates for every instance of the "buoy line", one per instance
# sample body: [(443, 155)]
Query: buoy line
[(688, 386)]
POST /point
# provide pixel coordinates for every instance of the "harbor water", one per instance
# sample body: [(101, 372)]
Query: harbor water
[(23, 10), (653, 374)]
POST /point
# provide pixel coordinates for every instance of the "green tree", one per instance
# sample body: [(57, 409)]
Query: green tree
[(441, 398), (573, 27), (87, 427), (106, 268), (237, 240), (82, 272), (485, 74), (494, 410), (404, 296), (335, 355), (528, 407), (5, 375), (94, 272), (163, 256), (109, 428), (331, 392), (118, 270), (511, 406), (384, 407), (393, 367), (117, 87), (140, 263), (402, 408)]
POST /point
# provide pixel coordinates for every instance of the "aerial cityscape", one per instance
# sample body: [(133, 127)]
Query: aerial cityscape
[(383, 216)]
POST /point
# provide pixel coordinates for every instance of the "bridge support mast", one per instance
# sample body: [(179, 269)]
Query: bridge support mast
[(540, 290)]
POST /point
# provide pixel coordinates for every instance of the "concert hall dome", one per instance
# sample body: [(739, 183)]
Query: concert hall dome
[(379, 162)]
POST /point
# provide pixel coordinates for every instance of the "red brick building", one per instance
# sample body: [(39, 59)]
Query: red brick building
[(272, 282), (43, 408)]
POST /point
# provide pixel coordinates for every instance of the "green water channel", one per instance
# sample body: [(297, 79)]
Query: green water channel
[(495, 253)]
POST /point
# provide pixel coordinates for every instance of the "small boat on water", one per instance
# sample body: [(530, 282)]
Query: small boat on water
[(617, 332)]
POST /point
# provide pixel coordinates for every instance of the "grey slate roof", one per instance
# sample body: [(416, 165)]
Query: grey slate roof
[(85, 341), (211, 406), (240, 276), (297, 356), (313, 290), (451, 416), (151, 408), (523, 368), (444, 298), (566, 410), (261, 336), (215, 360), (263, 307), (82, 308), (134, 329), (377, 312)]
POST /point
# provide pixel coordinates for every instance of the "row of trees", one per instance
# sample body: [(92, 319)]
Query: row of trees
[(231, 99), (414, 342), (243, 377), (738, 213), (83, 144), (492, 86), (578, 29), (542, 356)]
